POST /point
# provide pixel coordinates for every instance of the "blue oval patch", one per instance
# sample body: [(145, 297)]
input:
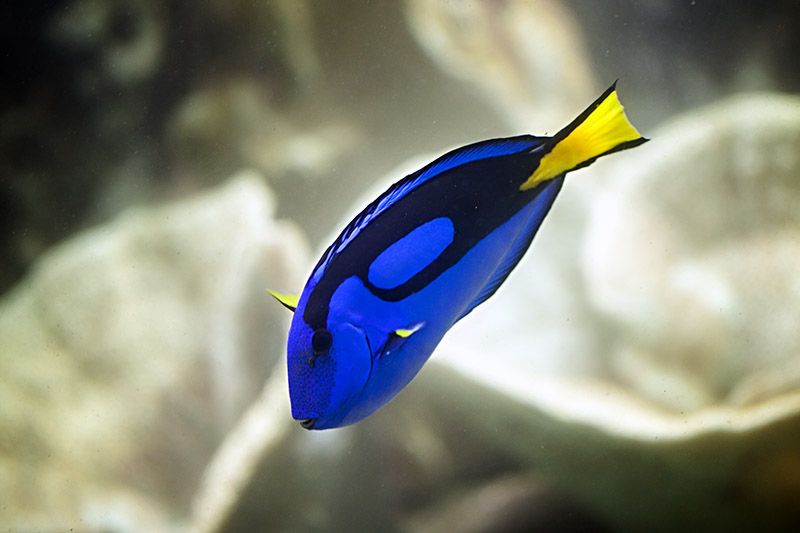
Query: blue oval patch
[(410, 254)]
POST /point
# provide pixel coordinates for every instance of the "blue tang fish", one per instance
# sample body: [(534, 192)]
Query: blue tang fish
[(421, 256)]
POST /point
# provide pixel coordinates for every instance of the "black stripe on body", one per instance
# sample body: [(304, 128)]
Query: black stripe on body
[(478, 197)]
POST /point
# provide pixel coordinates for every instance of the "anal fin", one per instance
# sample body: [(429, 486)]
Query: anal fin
[(542, 203)]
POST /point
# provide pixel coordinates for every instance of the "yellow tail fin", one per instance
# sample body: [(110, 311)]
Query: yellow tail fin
[(601, 129)]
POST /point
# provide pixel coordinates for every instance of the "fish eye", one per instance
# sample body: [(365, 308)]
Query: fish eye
[(321, 341)]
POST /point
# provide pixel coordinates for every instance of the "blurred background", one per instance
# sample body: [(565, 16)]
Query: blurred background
[(164, 162)]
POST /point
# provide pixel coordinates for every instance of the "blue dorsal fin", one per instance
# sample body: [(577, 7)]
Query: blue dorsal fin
[(452, 159), (542, 204), (478, 151)]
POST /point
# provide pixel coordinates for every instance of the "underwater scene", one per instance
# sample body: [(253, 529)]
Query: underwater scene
[(174, 175)]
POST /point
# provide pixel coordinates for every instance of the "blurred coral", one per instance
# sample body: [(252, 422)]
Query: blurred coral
[(528, 59), (130, 352), (692, 252)]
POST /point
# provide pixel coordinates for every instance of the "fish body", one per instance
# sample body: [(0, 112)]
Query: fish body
[(421, 256)]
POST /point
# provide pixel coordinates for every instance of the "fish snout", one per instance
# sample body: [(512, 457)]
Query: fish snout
[(308, 423)]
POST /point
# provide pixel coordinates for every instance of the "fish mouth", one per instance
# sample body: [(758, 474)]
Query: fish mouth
[(308, 423)]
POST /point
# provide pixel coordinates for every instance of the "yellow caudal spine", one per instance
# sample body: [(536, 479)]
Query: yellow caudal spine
[(601, 129)]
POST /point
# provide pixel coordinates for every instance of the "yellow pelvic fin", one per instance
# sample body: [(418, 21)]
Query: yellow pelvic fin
[(289, 301), (601, 129), (407, 332)]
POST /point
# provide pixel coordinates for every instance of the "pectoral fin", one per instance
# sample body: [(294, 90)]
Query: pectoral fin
[(289, 301), (410, 330), (395, 340)]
